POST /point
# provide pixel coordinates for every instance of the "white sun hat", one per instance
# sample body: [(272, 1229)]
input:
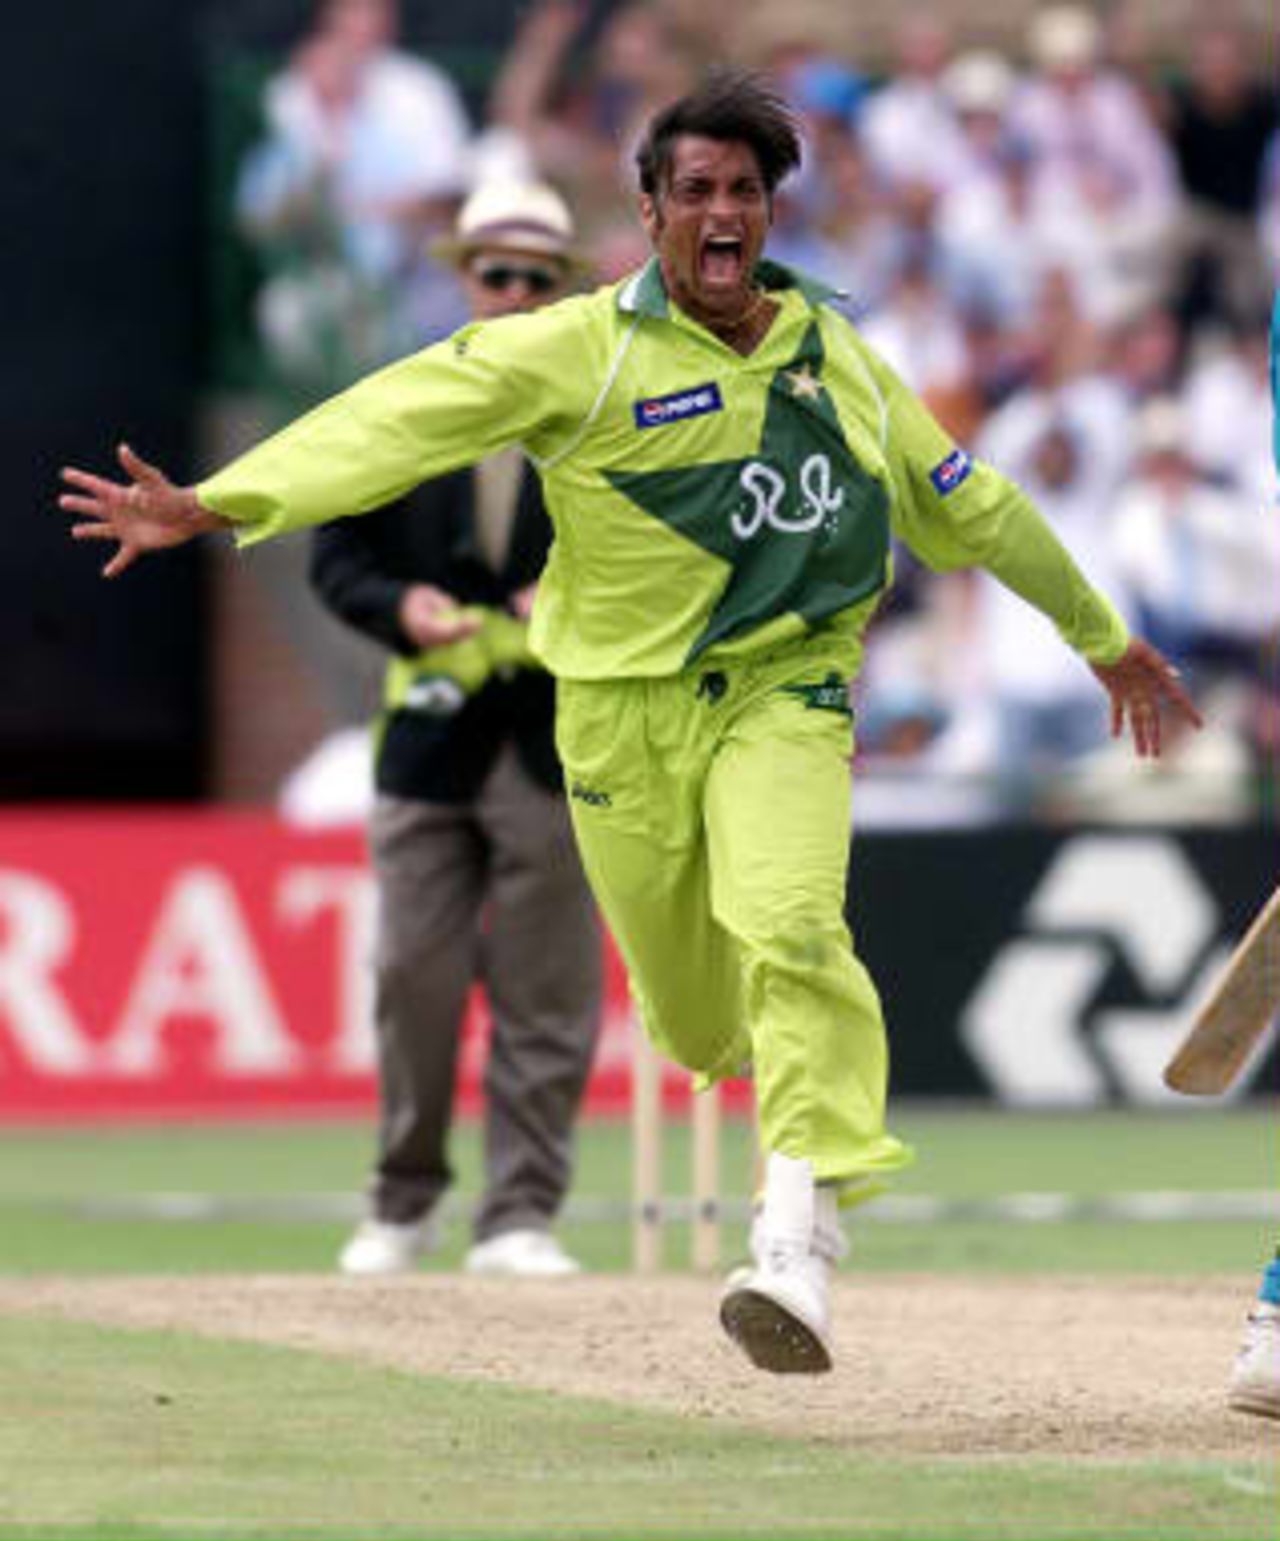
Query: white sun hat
[(979, 80), (527, 217), (1065, 37)]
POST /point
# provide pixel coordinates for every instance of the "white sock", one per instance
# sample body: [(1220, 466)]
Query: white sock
[(790, 1200), (828, 1234)]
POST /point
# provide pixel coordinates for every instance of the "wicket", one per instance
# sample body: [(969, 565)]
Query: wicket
[(650, 1207)]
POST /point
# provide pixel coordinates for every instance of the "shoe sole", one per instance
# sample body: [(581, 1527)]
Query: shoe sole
[(772, 1337), (1257, 1402)]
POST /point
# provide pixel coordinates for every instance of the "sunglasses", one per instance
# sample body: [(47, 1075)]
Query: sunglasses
[(503, 275)]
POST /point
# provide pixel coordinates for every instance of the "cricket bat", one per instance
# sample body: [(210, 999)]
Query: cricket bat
[(1242, 1002)]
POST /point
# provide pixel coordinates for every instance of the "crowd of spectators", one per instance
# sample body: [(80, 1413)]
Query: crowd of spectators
[(1069, 249)]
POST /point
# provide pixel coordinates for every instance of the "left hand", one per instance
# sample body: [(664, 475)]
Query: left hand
[(1140, 683)]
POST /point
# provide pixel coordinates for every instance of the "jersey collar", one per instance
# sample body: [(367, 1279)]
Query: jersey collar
[(644, 293)]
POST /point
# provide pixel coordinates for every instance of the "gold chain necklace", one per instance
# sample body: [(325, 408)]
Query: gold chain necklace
[(731, 328)]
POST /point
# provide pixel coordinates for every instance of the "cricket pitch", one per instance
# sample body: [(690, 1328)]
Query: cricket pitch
[(1030, 1366)]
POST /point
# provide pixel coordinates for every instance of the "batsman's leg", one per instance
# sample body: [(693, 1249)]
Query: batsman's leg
[(1255, 1376)]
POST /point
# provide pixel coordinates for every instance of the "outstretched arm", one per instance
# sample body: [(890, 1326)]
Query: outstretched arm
[(148, 512), (1140, 683), (976, 517)]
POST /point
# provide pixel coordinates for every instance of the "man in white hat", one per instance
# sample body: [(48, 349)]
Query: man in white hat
[(478, 877), (1096, 151)]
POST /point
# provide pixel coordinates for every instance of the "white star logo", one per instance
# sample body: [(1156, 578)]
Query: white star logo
[(804, 384)]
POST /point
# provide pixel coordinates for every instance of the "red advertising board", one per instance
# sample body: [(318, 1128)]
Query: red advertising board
[(177, 964)]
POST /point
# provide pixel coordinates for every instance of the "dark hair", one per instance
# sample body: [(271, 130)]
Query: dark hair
[(729, 104)]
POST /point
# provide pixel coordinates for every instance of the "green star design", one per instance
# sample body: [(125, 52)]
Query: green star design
[(802, 527)]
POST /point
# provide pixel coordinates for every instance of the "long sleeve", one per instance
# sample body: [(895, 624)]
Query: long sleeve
[(955, 512), (519, 380)]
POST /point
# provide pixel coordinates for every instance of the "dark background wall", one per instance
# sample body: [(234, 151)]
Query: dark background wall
[(100, 277), (108, 127)]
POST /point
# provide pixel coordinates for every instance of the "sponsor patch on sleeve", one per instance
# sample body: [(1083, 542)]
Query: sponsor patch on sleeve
[(949, 473), (658, 411)]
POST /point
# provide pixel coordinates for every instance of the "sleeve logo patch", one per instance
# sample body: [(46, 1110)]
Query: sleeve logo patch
[(948, 475), (659, 411)]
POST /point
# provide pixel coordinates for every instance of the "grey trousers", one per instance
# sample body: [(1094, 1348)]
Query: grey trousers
[(489, 891)]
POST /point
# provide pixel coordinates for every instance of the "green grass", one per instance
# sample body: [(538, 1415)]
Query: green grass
[(961, 1152), (51, 1180), (148, 1436), (153, 1435)]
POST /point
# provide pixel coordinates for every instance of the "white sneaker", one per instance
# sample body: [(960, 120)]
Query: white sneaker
[(382, 1247), (777, 1310), (1255, 1377), (523, 1254), (778, 1314)]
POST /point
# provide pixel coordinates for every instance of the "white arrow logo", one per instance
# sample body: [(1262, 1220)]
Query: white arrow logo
[(1027, 1022)]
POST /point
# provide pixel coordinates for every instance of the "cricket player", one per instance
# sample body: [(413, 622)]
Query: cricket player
[(1255, 1377), (724, 462)]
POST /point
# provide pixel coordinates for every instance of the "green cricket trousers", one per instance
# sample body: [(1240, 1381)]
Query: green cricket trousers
[(712, 809)]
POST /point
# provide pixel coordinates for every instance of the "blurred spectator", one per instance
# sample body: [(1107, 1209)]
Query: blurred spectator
[(861, 243), (1201, 564), (827, 96), (1134, 47), (923, 758), (702, 32), (902, 782), (1221, 118), (1144, 350), (909, 128), (918, 330), (1064, 440), (478, 875), (986, 242), (1045, 713), (1104, 192), (579, 117), (978, 86), (366, 150), (1225, 399)]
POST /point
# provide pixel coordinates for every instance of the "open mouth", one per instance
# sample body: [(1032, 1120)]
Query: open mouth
[(722, 261)]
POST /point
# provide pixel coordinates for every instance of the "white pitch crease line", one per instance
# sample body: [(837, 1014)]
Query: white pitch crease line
[(1028, 1208)]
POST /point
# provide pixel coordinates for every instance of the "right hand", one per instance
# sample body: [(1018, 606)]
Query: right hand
[(146, 513), (429, 617)]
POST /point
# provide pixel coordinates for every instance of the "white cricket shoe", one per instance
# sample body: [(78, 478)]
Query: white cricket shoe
[(383, 1247), (778, 1313), (777, 1310), (524, 1254), (1255, 1378)]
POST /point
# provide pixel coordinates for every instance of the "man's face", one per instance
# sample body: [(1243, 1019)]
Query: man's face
[(363, 25), (708, 224), (500, 283)]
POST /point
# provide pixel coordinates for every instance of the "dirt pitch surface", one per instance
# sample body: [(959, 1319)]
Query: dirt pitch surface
[(1102, 1368)]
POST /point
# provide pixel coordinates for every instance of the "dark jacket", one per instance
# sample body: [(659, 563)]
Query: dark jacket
[(361, 567)]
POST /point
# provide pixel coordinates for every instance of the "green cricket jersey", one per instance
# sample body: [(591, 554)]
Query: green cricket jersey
[(701, 500)]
